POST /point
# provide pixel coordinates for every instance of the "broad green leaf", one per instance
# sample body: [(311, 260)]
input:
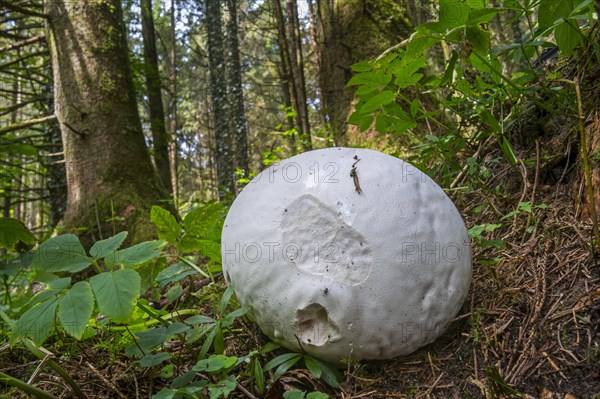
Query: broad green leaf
[(479, 39), (116, 293), (453, 13), (376, 78), (364, 66), (12, 231), (293, 394), (205, 222), (36, 322), (136, 255), (168, 228), (567, 36), (166, 393), (317, 395), (174, 273), (151, 338), (62, 253), (215, 363), (385, 97), (75, 309), (223, 388), (259, 376), (106, 247), (208, 248), (154, 359)]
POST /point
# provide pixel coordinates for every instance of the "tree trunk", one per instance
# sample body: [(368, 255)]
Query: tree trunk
[(220, 111), (290, 94), (236, 94), (297, 62), (160, 137), (348, 32), (109, 173), (173, 106)]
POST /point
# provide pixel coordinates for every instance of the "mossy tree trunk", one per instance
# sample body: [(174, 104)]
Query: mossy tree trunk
[(111, 181), (156, 112), (350, 31)]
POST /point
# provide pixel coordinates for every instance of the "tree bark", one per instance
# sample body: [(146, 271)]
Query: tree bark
[(236, 94), (220, 108), (289, 89), (109, 173), (297, 62), (160, 137), (173, 106), (348, 32)]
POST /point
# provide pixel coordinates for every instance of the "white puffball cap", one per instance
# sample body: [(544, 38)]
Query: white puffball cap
[(340, 273)]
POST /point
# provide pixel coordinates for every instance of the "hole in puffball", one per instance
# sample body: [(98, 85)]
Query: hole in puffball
[(313, 326)]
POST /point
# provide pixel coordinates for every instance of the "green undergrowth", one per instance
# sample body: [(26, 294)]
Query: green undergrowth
[(107, 297)]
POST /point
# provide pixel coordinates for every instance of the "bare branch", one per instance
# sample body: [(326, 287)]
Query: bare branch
[(22, 125), (23, 43)]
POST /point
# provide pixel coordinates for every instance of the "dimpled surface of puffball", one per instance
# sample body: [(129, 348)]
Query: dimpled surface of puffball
[(345, 252)]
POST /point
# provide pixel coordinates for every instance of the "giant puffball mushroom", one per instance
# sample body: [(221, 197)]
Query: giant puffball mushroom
[(347, 253)]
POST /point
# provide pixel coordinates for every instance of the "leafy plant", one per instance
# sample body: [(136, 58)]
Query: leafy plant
[(113, 291), (317, 368), (465, 104)]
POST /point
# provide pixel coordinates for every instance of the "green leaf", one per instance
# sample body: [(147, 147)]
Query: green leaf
[(449, 73), (106, 247), (385, 97), (151, 338), (364, 66), (154, 359), (330, 375), (215, 363), (223, 388), (259, 376), (285, 366), (293, 394), (567, 36), (75, 309), (168, 228), (200, 319), (280, 359), (377, 78), (62, 253), (313, 366), (136, 255), (508, 151), (13, 231), (317, 395), (225, 298), (116, 293), (453, 13), (479, 39), (205, 222), (174, 273), (36, 322)]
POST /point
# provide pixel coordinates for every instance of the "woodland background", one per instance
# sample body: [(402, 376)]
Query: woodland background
[(150, 116)]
